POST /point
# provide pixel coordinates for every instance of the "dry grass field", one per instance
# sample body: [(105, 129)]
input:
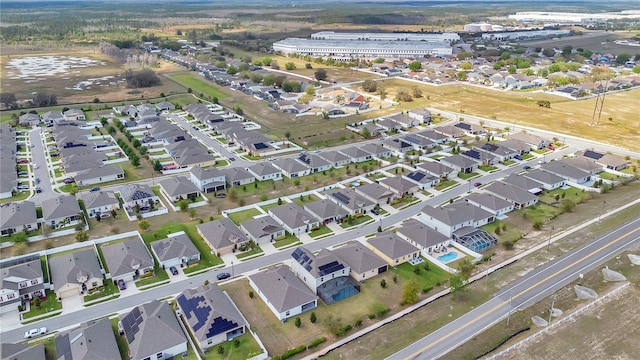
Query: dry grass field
[(602, 42)]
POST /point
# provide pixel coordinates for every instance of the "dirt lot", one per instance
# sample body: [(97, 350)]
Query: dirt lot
[(602, 42), (607, 331)]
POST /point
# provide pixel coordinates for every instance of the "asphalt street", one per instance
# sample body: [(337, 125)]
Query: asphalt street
[(523, 292)]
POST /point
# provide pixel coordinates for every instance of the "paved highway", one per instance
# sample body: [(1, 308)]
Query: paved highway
[(122, 303), (523, 292)]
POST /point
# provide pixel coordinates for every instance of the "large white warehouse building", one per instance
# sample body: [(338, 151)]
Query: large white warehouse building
[(573, 18), (351, 36), (345, 50), (524, 35)]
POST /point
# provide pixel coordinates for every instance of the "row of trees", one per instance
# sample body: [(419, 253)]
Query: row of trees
[(141, 79)]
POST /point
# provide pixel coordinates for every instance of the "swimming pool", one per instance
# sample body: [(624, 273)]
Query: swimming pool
[(450, 256)]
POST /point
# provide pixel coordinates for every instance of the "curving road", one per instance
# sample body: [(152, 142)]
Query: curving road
[(524, 292)]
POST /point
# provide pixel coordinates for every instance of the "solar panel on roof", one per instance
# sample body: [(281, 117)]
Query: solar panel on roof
[(260, 146), (472, 153), (341, 197), (593, 154), (220, 326), (296, 253), (416, 175), (463, 126), (330, 268), (130, 324)]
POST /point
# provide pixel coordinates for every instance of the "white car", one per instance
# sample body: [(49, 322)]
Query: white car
[(35, 332)]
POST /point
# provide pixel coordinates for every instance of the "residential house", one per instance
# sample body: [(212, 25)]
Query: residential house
[(291, 168), (422, 179), (127, 259), (521, 198), (460, 163), (356, 154), (293, 218), (584, 164), (363, 263), (100, 202), (178, 188), (518, 146), (176, 250), (263, 229), (314, 162), (99, 174), (491, 203), (422, 236), (21, 351), (524, 183), (350, 200), (437, 169), (61, 211), (377, 151), (92, 340), (223, 236), (165, 106), (548, 180), (76, 273), (608, 161), (237, 176), (418, 142), (397, 145), (16, 217), (52, 117), (405, 121), (501, 153), (336, 158), (153, 332), (568, 172), (207, 180), (481, 156), (73, 115), (377, 193), (265, 171), (189, 153), (20, 279), (326, 210), (283, 293), (399, 185), (446, 220), (535, 141), (324, 273), (139, 195), (210, 315), (422, 115), (392, 248), (434, 136), (450, 131), (29, 119)]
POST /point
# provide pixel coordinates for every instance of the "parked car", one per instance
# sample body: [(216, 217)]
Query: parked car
[(173, 270), (541, 162), (517, 157), (551, 148), (35, 332), (122, 285), (104, 215), (221, 195), (526, 167), (232, 159), (96, 188), (375, 211), (477, 184), (23, 173), (223, 276), (23, 187), (38, 190), (68, 181), (23, 161), (37, 181)]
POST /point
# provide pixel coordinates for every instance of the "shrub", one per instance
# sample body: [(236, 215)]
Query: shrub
[(291, 352), (537, 225), (427, 289), (358, 323), (383, 283), (298, 322), (317, 342), (236, 343), (372, 316), (313, 318), (508, 245)]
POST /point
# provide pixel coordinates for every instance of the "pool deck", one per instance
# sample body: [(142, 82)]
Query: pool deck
[(459, 256)]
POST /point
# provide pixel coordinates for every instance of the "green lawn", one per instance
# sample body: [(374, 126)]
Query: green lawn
[(159, 275), (511, 234), (247, 345), (123, 347), (437, 156), (307, 199), (244, 215), (424, 278), (609, 176), (49, 347), (573, 194), (107, 290), (323, 230), (446, 184), (45, 268), (49, 305), (398, 203), (268, 206), (487, 168), (22, 195), (464, 176), (526, 156), (286, 241), (255, 249), (207, 259), (540, 212), (199, 84), (356, 221), (509, 162)]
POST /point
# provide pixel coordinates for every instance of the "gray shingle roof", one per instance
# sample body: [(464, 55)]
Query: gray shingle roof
[(221, 233), (126, 256), (325, 209), (375, 191), (511, 192), (100, 171), (20, 272), (565, 170), (543, 177), (98, 198), (392, 245), (359, 258), (214, 307), (158, 330), (61, 206), (314, 262), (262, 169), (399, 184), (435, 167), (237, 174), (289, 165), (489, 201), (262, 226), (355, 152), (206, 173), (292, 215), (459, 160), (132, 192), (421, 234), (178, 185), (334, 156), (74, 268), (349, 198), (283, 289), (22, 351), (17, 214), (93, 340), (178, 246), (522, 182)]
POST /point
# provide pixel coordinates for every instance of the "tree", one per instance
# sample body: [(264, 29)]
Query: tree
[(266, 61), (505, 55), (623, 58), (310, 90), (192, 213), (466, 66), (320, 74), (417, 93), (143, 225), (383, 283), (298, 322), (238, 110), (232, 70), (461, 75), (370, 86), (41, 99), (46, 231), (9, 100), (404, 96), (290, 66), (456, 283), (410, 292), (548, 52), (566, 51), (636, 69), (287, 134), (20, 237), (141, 79), (415, 65), (465, 268), (313, 318), (463, 55), (366, 133), (82, 236), (568, 205)]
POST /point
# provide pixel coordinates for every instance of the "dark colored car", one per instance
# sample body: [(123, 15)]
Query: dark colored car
[(221, 195), (94, 189), (37, 181), (173, 270), (517, 157), (375, 211), (223, 276), (69, 181), (122, 285), (526, 167), (38, 190), (477, 184), (232, 159)]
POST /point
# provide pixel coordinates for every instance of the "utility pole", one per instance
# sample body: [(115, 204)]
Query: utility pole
[(510, 302), (553, 302), (549, 243)]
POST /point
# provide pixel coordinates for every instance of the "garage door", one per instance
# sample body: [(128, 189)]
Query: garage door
[(69, 292)]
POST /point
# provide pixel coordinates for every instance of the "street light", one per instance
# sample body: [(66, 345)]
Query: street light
[(233, 273), (604, 202), (549, 243), (510, 301), (553, 301)]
